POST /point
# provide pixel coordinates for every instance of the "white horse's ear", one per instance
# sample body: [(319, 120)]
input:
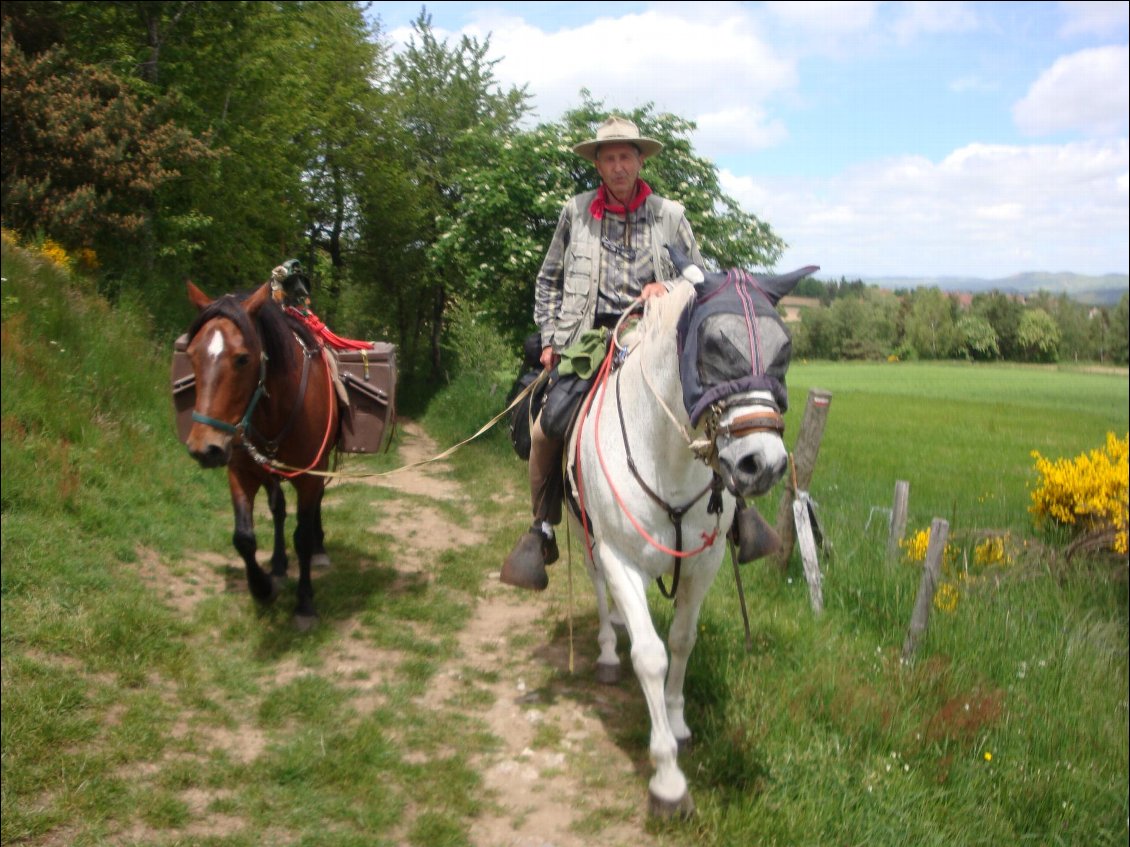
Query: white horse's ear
[(687, 269)]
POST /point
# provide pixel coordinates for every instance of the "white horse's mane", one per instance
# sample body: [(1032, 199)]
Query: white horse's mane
[(661, 314)]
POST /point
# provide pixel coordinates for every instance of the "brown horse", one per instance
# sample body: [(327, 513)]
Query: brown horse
[(265, 408)]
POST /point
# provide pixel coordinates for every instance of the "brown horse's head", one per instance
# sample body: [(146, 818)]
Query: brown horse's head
[(228, 361)]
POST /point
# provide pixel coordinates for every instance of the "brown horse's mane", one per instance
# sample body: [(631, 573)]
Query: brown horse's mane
[(273, 326)]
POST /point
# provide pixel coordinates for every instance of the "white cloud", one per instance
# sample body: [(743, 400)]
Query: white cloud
[(984, 210), (706, 62), (1087, 91), (826, 17), (919, 18), (1095, 18)]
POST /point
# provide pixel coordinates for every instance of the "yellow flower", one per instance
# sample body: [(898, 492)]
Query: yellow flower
[(988, 756), (1088, 492)]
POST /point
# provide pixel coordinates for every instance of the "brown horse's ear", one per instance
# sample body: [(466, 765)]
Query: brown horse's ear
[(255, 302), (197, 297)]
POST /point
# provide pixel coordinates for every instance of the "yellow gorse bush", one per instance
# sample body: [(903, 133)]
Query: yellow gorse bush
[(1088, 493)]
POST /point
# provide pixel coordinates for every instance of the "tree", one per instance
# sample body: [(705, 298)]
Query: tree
[(976, 338), (930, 325), (1003, 314), (1120, 331), (1038, 336), (84, 157)]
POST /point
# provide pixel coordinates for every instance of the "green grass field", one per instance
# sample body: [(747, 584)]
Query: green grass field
[(142, 705)]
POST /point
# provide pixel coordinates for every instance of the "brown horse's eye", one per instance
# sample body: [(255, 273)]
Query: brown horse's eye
[(242, 359)]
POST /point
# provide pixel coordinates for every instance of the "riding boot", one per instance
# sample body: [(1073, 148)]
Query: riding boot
[(753, 537), (525, 566)]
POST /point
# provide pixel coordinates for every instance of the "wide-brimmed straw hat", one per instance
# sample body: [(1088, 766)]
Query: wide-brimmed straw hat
[(618, 130)]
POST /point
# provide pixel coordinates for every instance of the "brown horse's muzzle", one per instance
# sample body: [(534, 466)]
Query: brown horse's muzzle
[(212, 449)]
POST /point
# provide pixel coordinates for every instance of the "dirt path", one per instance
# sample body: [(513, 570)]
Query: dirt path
[(558, 778), (570, 768)]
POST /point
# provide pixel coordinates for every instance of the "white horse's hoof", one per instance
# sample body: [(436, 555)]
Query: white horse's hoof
[(320, 560), (662, 809), (607, 674)]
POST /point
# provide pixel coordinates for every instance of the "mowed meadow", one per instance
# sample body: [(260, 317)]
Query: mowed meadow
[(147, 701)]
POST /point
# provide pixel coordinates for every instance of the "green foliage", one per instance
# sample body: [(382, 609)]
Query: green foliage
[(1038, 336), (976, 337), (84, 156)]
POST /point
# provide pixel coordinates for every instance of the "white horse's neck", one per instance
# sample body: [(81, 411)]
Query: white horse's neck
[(651, 397)]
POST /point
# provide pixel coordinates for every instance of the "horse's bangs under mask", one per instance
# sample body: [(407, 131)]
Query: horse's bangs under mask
[(732, 342)]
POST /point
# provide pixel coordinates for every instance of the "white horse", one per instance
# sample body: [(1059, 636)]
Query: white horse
[(656, 459)]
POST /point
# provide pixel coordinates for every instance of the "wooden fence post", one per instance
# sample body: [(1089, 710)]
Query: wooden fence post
[(804, 460), (898, 519), (807, 543), (931, 570)]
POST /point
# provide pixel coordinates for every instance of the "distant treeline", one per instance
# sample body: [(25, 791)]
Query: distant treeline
[(859, 321)]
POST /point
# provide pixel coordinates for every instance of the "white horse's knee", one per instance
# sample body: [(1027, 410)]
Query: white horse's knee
[(649, 660)]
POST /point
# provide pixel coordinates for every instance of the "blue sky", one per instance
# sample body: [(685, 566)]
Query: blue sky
[(877, 139)]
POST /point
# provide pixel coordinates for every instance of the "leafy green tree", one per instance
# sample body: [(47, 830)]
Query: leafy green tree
[(84, 157), (976, 338), (1120, 331), (1038, 336), (929, 324), (446, 112), (1003, 312)]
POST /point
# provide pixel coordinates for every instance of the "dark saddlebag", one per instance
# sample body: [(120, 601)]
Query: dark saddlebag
[(184, 388), (369, 377)]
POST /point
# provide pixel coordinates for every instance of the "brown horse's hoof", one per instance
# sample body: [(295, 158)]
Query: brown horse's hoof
[(305, 623), (668, 810), (607, 674)]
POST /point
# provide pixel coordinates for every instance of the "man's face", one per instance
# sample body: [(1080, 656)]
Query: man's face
[(619, 167)]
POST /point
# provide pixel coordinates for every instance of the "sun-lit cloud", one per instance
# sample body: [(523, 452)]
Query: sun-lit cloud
[(984, 210), (1086, 91), (1107, 18)]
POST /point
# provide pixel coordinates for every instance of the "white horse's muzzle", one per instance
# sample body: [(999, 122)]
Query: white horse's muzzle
[(750, 448)]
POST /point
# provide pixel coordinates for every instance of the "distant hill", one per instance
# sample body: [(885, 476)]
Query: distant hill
[(1102, 290)]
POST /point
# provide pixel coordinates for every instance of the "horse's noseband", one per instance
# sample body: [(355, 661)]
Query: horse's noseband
[(760, 420)]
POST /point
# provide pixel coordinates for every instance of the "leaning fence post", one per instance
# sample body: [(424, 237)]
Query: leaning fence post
[(898, 519), (804, 460), (931, 570)]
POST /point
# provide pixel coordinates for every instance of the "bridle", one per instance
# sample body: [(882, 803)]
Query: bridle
[(244, 430)]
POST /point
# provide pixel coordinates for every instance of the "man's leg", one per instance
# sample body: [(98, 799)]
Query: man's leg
[(525, 566)]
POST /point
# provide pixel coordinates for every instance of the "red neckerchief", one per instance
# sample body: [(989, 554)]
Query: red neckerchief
[(600, 203)]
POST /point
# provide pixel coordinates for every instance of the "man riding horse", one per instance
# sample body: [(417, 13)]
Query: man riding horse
[(607, 251)]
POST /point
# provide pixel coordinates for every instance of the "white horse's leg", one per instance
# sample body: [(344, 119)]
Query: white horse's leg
[(608, 662), (681, 639), (668, 787)]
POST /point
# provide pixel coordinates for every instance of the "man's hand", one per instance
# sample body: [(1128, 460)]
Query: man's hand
[(653, 289), (549, 358)]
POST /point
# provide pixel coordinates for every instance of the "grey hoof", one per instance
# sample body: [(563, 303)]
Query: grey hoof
[(320, 560), (667, 810), (607, 674)]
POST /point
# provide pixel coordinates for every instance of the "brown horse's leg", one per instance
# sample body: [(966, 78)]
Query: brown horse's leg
[(276, 497), (306, 536), (243, 493)]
